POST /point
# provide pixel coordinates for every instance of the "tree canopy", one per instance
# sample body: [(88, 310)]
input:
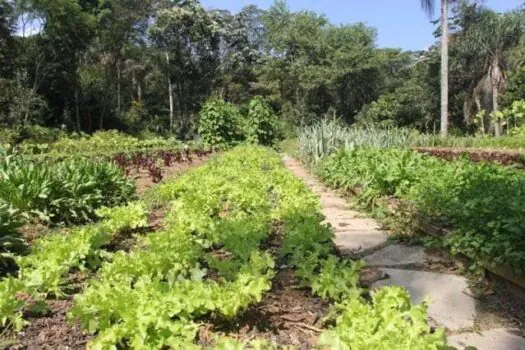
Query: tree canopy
[(150, 65)]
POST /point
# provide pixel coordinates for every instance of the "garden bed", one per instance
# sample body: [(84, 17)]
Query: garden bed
[(242, 259), (515, 158)]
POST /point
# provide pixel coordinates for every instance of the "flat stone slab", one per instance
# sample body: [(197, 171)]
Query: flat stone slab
[(396, 255), (359, 241), (333, 201), (340, 214), (359, 224), (494, 339), (449, 305)]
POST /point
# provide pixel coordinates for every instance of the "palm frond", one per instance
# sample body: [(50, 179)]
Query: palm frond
[(428, 7)]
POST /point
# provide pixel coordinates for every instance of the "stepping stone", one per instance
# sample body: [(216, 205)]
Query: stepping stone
[(318, 189), (358, 242), (335, 214), (332, 201), (311, 182), (494, 339), (396, 254), (449, 305), (342, 223), (362, 224)]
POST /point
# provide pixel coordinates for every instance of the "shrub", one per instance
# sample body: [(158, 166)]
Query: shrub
[(261, 123), (219, 123), (9, 136), (40, 134)]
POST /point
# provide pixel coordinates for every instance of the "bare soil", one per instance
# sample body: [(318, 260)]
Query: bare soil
[(145, 182), (52, 331), (477, 155), (287, 315)]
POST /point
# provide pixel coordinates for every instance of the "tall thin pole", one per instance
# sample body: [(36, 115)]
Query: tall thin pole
[(444, 68)]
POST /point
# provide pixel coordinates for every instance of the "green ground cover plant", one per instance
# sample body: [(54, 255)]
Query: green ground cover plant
[(209, 261), (100, 142), (482, 204), (44, 270), (64, 192)]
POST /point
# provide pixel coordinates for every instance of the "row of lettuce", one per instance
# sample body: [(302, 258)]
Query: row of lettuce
[(64, 178), (210, 262), (480, 205)]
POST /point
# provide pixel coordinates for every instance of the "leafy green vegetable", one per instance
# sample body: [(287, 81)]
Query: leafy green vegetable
[(482, 203), (45, 269), (68, 191), (389, 322)]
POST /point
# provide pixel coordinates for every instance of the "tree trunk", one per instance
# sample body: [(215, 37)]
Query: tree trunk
[(170, 90), (495, 109), (444, 68), (101, 120), (495, 78), (90, 121), (182, 109), (134, 84), (118, 88), (77, 111)]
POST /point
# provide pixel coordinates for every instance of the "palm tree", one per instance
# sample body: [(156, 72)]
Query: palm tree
[(488, 39), (428, 6)]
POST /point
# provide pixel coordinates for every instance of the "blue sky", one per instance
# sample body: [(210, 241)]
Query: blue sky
[(400, 23)]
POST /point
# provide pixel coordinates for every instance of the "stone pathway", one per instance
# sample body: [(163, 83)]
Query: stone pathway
[(451, 305)]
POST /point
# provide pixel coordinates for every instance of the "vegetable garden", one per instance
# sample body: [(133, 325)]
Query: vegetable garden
[(469, 202), (231, 226), (470, 199)]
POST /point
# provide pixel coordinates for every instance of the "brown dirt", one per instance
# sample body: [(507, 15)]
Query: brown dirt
[(476, 155), (32, 231), (287, 315), (499, 306), (51, 331), (144, 181)]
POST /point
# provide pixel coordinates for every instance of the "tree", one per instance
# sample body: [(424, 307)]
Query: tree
[(67, 31), (489, 39), (120, 23), (428, 6), (242, 38), (189, 37), (312, 67), (7, 43)]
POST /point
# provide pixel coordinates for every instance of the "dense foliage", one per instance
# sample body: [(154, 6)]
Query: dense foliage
[(210, 262), (261, 123), (54, 193), (45, 270), (481, 203), (68, 191), (220, 123), (329, 136), (150, 65), (224, 124)]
